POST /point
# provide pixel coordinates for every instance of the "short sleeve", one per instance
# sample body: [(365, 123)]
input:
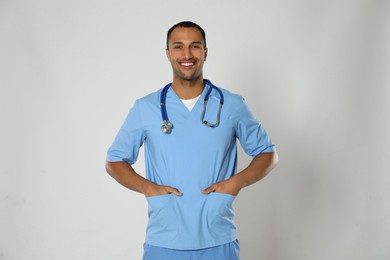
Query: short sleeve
[(253, 138), (129, 138)]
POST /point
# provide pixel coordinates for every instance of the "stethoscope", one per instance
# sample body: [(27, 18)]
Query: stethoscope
[(167, 126)]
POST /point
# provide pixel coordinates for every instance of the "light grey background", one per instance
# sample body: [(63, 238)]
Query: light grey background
[(316, 73)]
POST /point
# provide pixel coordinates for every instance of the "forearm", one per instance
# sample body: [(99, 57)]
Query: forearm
[(259, 167), (124, 173)]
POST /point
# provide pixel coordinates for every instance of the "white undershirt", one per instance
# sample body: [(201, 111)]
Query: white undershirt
[(190, 103)]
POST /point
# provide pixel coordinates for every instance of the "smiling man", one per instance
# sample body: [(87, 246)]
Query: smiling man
[(191, 163)]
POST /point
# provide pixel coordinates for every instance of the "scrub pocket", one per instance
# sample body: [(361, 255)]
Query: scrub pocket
[(163, 220), (220, 213)]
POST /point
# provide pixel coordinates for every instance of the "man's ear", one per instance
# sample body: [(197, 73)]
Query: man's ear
[(205, 54), (167, 53)]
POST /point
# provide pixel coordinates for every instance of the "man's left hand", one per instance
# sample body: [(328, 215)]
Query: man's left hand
[(229, 186)]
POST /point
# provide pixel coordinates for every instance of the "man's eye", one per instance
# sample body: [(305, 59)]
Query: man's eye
[(196, 46), (177, 47)]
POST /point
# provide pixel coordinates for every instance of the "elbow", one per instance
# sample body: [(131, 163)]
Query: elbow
[(275, 159), (108, 167), (272, 160), (116, 169)]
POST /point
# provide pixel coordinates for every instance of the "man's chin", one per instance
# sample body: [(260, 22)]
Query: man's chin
[(189, 78)]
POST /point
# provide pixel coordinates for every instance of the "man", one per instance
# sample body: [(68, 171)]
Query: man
[(191, 178)]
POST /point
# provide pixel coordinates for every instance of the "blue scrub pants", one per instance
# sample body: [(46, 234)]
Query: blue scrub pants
[(229, 251)]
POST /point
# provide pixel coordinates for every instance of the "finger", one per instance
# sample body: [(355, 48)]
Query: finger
[(209, 190), (174, 191)]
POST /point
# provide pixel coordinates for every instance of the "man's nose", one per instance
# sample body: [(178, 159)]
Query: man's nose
[(187, 53)]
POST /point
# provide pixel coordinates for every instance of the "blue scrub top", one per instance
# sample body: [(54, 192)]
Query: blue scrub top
[(191, 158)]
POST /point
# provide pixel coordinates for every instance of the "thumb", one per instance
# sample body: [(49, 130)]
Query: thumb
[(208, 190), (174, 191)]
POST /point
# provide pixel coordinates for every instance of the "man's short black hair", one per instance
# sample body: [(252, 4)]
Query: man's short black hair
[(187, 24)]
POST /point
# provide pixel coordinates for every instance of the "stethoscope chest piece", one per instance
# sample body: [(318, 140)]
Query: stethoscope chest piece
[(166, 127)]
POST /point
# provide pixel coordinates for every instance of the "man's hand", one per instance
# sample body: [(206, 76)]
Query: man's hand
[(154, 190), (259, 167), (125, 175), (230, 186)]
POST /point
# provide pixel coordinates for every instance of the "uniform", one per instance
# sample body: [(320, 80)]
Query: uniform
[(191, 158)]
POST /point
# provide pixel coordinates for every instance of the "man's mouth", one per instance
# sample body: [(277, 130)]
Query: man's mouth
[(187, 64)]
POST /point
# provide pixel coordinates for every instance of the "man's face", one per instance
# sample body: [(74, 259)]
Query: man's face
[(186, 52)]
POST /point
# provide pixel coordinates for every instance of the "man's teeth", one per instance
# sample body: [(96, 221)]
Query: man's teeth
[(187, 64)]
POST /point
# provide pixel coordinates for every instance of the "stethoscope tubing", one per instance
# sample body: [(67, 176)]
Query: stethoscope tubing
[(167, 125)]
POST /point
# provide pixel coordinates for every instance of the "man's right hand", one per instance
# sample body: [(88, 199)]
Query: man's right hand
[(153, 189), (125, 175)]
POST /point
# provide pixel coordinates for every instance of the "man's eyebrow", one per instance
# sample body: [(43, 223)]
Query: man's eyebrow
[(196, 42)]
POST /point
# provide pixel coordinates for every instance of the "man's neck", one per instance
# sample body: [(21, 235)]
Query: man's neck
[(186, 89)]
